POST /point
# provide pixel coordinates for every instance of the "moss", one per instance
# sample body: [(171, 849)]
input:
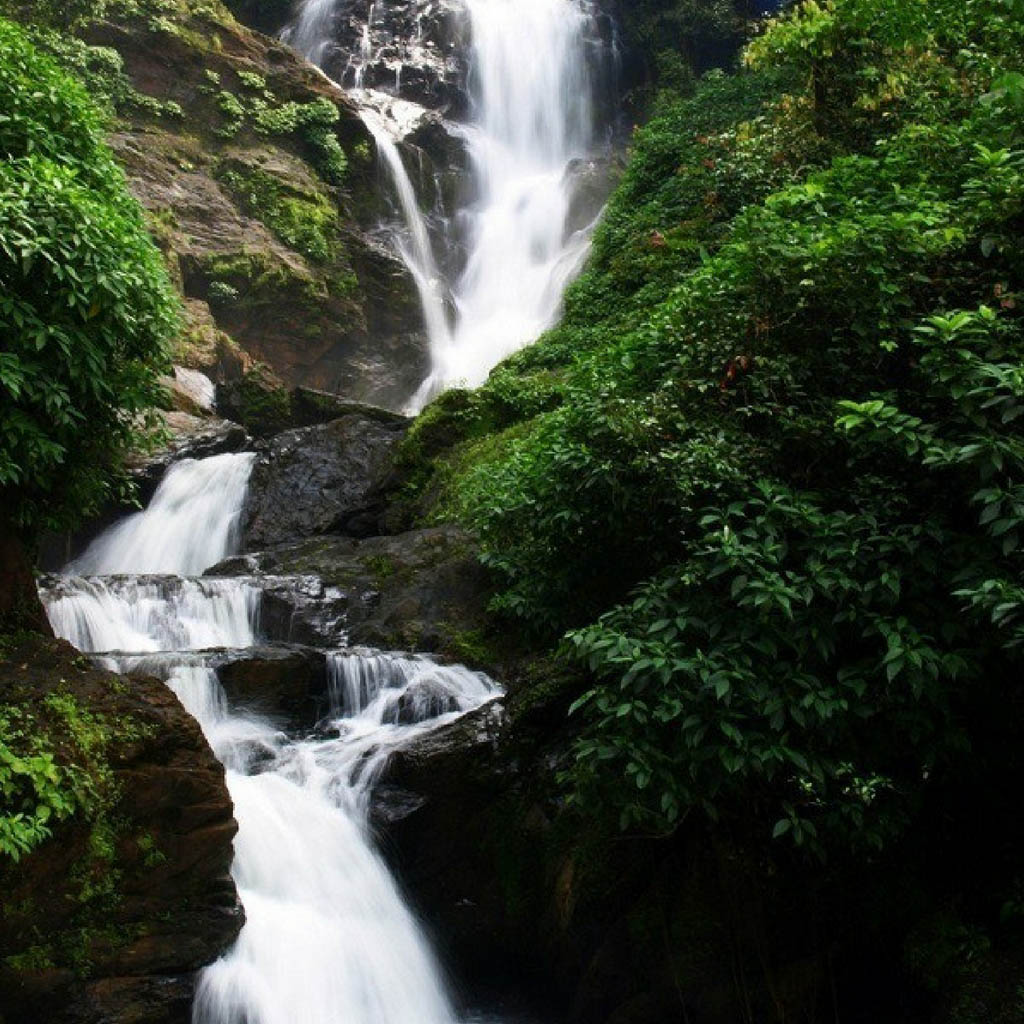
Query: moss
[(381, 566), (260, 402), (258, 277), (304, 221), (35, 958)]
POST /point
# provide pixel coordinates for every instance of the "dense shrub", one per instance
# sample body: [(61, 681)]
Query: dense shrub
[(85, 305), (777, 490)]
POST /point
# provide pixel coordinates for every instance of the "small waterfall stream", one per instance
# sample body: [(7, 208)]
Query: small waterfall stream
[(328, 938), (533, 117)]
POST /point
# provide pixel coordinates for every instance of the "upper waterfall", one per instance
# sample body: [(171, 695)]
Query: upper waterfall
[(529, 120), (533, 114)]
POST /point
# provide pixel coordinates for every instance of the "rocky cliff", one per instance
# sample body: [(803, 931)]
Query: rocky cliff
[(261, 186)]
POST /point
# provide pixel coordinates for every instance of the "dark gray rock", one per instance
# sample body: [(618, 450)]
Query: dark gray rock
[(310, 407), (319, 480), (423, 590), (465, 754), (302, 610), (286, 683), (421, 701), (419, 50)]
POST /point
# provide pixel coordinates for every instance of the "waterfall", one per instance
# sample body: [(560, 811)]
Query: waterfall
[(311, 32), (533, 104), (191, 522), (328, 938), (417, 253), (533, 116)]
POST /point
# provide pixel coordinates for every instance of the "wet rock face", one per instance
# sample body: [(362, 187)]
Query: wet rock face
[(285, 683), (408, 48), (109, 920), (422, 590), (343, 316), (318, 480)]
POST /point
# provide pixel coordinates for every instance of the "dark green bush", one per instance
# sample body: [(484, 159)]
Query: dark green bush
[(86, 309), (777, 491)]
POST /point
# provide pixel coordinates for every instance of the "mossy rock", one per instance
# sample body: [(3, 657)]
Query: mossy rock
[(131, 887)]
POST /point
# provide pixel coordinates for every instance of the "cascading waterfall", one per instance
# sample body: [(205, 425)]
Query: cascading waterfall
[(416, 253), (533, 102), (191, 521), (328, 938), (533, 115), (311, 32)]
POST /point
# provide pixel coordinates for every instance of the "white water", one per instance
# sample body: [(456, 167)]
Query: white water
[(129, 613), (328, 938), (191, 522), (416, 251), (311, 32), (533, 115)]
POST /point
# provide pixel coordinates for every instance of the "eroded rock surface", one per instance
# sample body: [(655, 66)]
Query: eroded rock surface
[(422, 590), (279, 260), (109, 920)]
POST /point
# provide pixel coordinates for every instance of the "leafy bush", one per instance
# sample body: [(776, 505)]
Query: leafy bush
[(776, 491), (59, 13), (86, 309), (312, 122)]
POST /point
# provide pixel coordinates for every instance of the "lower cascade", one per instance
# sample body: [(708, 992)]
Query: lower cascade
[(328, 938)]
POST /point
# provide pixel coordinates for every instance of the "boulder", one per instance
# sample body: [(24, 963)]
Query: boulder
[(421, 701), (319, 480), (109, 920), (310, 407), (422, 590), (285, 683), (190, 391)]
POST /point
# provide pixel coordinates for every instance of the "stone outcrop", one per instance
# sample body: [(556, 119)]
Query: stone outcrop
[(109, 920), (422, 590), (276, 261), (415, 50), (319, 480), (285, 683)]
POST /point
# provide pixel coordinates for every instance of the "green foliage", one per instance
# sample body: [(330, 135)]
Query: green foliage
[(220, 293), (52, 766), (313, 123), (683, 34), (305, 222), (63, 14), (232, 111), (86, 309), (768, 469)]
